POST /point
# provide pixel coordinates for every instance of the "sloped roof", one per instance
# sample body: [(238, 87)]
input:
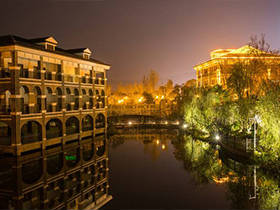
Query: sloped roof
[(79, 50), (31, 43), (49, 39), (248, 51), (244, 51)]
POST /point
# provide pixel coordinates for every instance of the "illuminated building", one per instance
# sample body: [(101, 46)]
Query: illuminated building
[(215, 71), (53, 120)]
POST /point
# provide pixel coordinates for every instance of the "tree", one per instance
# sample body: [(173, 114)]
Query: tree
[(148, 98)]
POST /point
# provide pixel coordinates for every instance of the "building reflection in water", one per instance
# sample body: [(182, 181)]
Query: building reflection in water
[(246, 186), (75, 177), (154, 141)]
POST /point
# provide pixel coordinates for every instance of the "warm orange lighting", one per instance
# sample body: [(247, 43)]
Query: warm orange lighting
[(163, 147), (162, 97), (220, 180), (120, 101), (157, 142), (129, 123), (156, 97)]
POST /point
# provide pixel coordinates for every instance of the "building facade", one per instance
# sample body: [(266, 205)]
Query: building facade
[(53, 122), (215, 71)]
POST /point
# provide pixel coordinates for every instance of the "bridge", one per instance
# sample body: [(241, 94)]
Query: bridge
[(161, 110)]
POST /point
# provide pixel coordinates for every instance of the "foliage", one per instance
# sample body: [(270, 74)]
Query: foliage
[(148, 98)]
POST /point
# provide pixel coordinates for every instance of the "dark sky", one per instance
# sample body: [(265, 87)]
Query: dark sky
[(169, 36)]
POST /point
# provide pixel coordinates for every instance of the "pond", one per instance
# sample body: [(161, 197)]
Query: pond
[(157, 169)]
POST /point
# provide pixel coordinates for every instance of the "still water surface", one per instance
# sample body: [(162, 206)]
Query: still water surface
[(157, 170)]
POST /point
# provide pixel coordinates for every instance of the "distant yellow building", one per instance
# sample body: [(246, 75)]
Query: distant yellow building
[(211, 73)]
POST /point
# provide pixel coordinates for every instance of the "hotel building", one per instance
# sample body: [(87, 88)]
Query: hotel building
[(216, 70), (53, 120)]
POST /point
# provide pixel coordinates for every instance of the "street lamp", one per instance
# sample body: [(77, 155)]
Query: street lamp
[(256, 120)]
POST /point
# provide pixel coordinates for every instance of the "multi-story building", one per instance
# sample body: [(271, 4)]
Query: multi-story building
[(53, 122), (215, 71)]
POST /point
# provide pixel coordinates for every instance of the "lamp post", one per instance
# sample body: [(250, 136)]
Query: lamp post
[(256, 120)]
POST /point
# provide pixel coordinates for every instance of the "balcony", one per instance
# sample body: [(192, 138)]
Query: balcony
[(4, 73), (5, 109), (37, 74), (99, 81), (38, 108), (24, 73), (25, 109)]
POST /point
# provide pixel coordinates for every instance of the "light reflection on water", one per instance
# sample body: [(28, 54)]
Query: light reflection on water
[(164, 170)]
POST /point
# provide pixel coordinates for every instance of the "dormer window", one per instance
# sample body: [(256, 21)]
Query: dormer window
[(49, 42), (50, 47), (86, 56), (85, 53)]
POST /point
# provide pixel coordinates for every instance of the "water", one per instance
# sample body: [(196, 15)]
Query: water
[(165, 171)]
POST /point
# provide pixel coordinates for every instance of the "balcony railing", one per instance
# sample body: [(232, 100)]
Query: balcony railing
[(58, 77), (4, 73), (5, 109), (37, 108), (24, 73), (37, 74), (76, 105), (48, 75), (25, 109)]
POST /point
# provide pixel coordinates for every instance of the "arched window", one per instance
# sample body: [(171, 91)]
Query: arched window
[(31, 132), (59, 99), (24, 93), (37, 94), (100, 121), (72, 126), (54, 128), (87, 123), (5, 134)]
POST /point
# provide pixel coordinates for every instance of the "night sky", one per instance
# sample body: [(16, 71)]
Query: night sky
[(134, 36)]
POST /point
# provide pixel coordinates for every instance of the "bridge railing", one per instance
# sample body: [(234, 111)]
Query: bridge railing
[(140, 109)]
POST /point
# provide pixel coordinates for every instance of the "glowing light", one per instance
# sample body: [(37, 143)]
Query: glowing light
[(129, 123), (258, 119), (185, 126), (157, 142), (163, 147), (166, 122), (220, 180), (140, 99), (162, 97), (177, 122), (156, 97), (217, 137), (120, 101)]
